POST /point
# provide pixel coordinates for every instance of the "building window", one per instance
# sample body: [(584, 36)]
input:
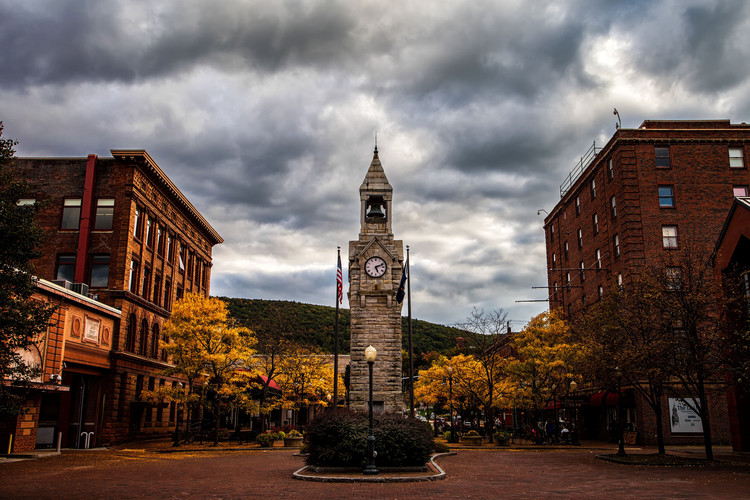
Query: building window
[(613, 204), (666, 197), (146, 282), (595, 221), (669, 236), (144, 337), (138, 224), (182, 256), (167, 295), (580, 238), (600, 290), (583, 271), (661, 155), (134, 275), (619, 281), (190, 260), (611, 168), (598, 259), (616, 245), (578, 205), (565, 249), (66, 267), (593, 189), (130, 340), (198, 274), (736, 159), (554, 259), (739, 191), (180, 292), (674, 278), (157, 290), (552, 232), (160, 233), (71, 215), (149, 232), (155, 341), (567, 280), (99, 271), (105, 210), (25, 201)]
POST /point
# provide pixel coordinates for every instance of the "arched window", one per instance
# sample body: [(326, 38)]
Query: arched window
[(155, 341), (130, 340), (144, 337)]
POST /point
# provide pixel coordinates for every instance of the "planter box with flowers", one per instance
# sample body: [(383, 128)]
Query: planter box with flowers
[(472, 438), (293, 439)]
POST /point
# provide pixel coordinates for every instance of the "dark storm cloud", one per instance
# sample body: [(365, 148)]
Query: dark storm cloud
[(59, 42), (264, 114)]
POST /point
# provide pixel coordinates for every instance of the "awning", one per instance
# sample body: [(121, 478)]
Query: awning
[(608, 398), (554, 405)]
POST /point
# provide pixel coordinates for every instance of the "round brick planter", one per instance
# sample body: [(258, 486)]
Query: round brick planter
[(292, 442)]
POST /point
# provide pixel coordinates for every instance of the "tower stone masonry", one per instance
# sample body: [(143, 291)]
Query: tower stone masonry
[(375, 266)]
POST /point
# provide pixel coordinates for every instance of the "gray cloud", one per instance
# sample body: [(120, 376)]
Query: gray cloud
[(264, 114)]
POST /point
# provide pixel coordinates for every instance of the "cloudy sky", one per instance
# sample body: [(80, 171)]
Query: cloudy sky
[(264, 113)]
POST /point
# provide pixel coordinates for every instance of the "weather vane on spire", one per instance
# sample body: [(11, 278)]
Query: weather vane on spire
[(376, 141)]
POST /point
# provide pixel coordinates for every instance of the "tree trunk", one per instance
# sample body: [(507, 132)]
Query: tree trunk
[(705, 419), (659, 426), (216, 423)]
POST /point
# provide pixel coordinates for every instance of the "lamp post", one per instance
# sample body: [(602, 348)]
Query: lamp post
[(370, 355), (574, 431), (450, 401), (620, 427)]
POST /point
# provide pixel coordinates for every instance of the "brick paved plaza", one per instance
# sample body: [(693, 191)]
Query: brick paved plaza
[(483, 473)]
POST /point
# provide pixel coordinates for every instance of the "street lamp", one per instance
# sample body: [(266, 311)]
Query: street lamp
[(370, 354), (574, 431), (620, 427), (450, 400)]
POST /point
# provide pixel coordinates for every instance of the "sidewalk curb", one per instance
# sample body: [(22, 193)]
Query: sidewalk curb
[(299, 474)]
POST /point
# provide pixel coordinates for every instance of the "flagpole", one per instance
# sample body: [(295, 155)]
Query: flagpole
[(339, 297), (411, 350)]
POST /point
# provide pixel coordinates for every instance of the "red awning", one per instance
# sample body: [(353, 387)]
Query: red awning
[(598, 398), (554, 405), (272, 385)]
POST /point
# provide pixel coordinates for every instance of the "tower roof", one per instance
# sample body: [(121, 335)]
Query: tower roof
[(375, 180)]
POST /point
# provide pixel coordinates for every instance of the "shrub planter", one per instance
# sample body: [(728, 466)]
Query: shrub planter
[(293, 442), (472, 440)]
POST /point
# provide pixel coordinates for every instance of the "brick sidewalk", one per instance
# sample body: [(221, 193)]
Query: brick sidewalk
[(482, 473)]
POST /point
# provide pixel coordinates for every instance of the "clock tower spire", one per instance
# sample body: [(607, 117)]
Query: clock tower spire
[(375, 265)]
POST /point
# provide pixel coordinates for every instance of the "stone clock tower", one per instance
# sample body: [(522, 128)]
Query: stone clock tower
[(375, 266)]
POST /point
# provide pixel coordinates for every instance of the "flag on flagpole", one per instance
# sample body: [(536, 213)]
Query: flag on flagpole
[(340, 282), (401, 286)]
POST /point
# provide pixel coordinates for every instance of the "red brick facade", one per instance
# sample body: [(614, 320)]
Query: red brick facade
[(627, 203), (122, 227)]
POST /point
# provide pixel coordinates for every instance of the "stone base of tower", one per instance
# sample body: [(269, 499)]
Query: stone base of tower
[(386, 374)]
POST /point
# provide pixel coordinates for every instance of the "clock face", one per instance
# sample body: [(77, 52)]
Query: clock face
[(375, 267)]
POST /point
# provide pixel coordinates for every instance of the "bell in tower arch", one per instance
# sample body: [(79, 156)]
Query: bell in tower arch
[(375, 208)]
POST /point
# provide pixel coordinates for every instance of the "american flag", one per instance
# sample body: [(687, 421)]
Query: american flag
[(340, 282)]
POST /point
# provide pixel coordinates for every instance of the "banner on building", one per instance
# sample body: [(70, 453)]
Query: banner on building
[(682, 418)]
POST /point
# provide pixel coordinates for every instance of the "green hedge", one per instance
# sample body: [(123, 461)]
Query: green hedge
[(339, 439)]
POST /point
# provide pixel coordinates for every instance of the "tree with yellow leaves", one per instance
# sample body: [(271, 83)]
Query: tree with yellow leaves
[(546, 358), (305, 379), (203, 343)]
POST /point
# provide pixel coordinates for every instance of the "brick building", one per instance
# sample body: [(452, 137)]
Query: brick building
[(634, 199), (74, 361), (121, 232)]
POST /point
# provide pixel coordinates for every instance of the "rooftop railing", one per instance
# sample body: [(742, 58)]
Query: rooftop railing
[(574, 174)]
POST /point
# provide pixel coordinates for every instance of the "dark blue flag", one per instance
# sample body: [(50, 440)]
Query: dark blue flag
[(401, 286)]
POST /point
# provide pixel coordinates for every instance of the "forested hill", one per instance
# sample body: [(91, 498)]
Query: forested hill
[(313, 325)]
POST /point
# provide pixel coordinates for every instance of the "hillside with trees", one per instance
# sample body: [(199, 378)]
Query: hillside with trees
[(313, 325)]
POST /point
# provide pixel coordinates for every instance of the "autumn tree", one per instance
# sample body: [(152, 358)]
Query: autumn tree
[(204, 343), (486, 334), (273, 341), (628, 331), (305, 379), (23, 321), (546, 358)]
